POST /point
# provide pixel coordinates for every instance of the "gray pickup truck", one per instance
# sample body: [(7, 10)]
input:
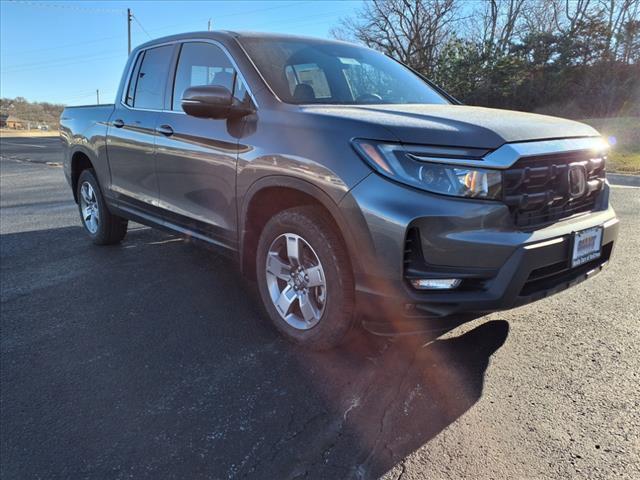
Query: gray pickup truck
[(344, 183)]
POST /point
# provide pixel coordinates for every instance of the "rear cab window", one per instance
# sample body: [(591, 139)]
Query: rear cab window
[(147, 83)]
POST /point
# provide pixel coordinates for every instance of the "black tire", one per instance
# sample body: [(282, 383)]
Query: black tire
[(111, 229), (337, 319)]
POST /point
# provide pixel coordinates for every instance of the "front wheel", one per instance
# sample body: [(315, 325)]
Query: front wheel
[(305, 278), (103, 227)]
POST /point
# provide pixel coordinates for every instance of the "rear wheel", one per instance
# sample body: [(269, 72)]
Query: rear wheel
[(305, 278), (103, 227)]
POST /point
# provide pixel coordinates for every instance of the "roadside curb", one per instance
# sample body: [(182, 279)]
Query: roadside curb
[(626, 180)]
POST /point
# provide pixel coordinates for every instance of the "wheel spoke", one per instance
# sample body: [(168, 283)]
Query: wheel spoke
[(285, 300), (316, 276), (309, 312), (84, 191), (277, 267), (293, 249), (306, 283)]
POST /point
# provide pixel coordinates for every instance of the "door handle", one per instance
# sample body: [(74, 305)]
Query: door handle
[(165, 130), (118, 123)]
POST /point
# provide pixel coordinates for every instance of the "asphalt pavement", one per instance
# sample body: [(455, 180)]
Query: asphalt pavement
[(153, 359)]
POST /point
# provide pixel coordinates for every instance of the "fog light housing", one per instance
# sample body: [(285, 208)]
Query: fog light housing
[(435, 283)]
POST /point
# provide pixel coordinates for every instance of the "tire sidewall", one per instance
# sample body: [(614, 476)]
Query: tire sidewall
[(337, 317)]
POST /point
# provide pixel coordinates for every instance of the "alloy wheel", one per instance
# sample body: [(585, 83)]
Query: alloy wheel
[(296, 281), (89, 207)]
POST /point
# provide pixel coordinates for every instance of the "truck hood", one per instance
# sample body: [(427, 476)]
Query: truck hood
[(457, 125)]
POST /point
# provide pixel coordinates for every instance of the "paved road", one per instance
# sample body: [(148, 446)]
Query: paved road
[(153, 360)]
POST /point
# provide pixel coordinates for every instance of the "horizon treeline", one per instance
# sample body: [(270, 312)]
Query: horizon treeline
[(573, 58)]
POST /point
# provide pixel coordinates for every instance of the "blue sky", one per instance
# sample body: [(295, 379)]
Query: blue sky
[(61, 52)]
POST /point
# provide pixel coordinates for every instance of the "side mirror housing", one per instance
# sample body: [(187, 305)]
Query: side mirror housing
[(211, 101)]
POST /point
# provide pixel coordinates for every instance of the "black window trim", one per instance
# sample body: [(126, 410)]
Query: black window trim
[(137, 65), (172, 70)]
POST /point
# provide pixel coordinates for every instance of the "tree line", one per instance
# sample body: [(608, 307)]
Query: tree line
[(35, 112), (574, 58)]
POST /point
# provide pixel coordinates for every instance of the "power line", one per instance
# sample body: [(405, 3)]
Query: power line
[(305, 19), (79, 58), (217, 17), (82, 60), (58, 47), (56, 60), (167, 27), (140, 25), (71, 60), (67, 6)]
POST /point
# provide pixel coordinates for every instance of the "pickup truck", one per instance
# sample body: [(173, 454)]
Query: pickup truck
[(346, 185)]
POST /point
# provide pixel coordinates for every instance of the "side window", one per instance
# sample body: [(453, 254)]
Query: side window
[(150, 78), (307, 74), (241, 92), (133, 80), (201, 64)]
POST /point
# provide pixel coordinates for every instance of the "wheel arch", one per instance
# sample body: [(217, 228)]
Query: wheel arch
[(80, 161), (275, 193)]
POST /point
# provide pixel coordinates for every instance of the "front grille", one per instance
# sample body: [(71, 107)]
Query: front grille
[(536, 189)]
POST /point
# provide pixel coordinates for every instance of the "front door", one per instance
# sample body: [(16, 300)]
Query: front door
[(196, 157), (131, 136)]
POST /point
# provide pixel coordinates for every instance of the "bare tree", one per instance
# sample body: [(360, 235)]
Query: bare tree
[(412, 31), (617, 13), (538, 16), (501, 19), (568, 16)]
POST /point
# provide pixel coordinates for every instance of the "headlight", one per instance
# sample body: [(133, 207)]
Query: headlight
[(434, 169)]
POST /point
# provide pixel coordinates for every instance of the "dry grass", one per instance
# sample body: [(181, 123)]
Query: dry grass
[(624, 136), (7, 133)]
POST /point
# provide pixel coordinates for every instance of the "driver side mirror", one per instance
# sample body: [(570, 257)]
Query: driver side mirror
[(212, 101)]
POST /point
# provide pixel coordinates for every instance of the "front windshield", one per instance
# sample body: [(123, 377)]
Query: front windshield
[(307, 71)]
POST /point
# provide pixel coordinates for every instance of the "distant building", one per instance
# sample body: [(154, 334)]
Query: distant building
[(13, 122)]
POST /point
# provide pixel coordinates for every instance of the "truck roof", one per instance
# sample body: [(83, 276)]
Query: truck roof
[(226, 35)]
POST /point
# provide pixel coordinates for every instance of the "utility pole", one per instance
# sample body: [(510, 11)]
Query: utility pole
[(209, 25), (98, 96), (129, 16)]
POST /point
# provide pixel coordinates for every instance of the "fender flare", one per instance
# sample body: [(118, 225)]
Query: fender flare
[(306, 187), (75, 149)]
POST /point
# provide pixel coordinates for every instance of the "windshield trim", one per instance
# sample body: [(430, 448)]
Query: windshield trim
[(438, 90)]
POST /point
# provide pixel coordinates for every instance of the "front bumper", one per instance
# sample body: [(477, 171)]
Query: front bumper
[(501, 267)]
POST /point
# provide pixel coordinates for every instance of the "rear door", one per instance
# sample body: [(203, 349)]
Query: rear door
[(196, 157), (131, 137)]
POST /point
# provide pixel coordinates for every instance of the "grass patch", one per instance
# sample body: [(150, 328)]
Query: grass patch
[(9, 133), (623, 134)]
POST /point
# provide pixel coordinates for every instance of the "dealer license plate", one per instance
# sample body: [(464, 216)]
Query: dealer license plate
[(587, 245)]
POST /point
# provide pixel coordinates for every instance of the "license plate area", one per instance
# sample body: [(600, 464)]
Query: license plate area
[(587, 246)]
